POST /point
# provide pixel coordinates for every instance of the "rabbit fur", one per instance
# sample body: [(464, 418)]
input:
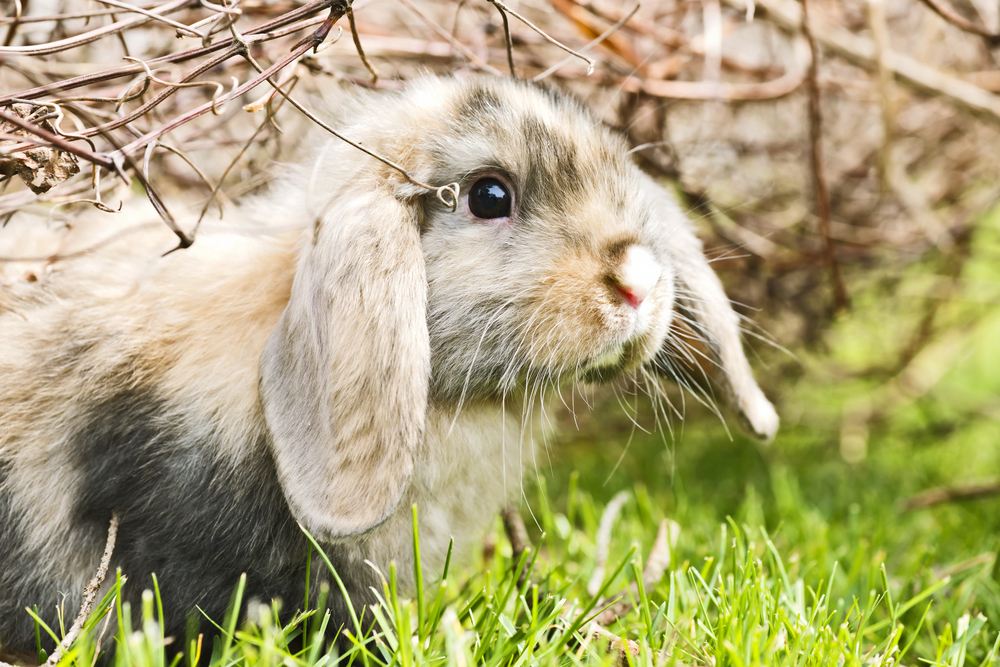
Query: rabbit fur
[(377, 350)]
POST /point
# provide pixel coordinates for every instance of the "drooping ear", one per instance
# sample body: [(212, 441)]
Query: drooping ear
[(344, 375), (704, 348)]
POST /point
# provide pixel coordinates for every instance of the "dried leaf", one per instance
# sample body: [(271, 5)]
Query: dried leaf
[(40, 167)]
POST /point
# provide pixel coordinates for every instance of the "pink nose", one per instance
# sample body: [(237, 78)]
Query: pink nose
[(636, 276), (630, 296)]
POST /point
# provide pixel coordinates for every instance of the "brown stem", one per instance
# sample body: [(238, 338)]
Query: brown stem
[(519, 541), (60, 142), (947, 494), (508, 42), (12, 30), (457, 45), (549, 38), (959, 21), (446, 194), (89, 595), (143, 109), (92, 36), (859, 51), (45, 18), (516, 532), (300, 50), (841, 298), (262, 32), (357, 45)]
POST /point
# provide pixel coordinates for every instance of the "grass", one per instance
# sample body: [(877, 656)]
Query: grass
[(795, 553)]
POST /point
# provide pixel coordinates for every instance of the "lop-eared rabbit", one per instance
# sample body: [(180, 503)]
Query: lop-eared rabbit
[(378, 350)]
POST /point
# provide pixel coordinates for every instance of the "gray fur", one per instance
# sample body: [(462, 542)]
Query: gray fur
[(384, 352)]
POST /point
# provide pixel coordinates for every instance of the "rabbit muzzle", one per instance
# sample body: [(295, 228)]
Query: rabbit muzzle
[(636, 315)]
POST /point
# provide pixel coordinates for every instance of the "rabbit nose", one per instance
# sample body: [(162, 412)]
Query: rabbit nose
[(637, 275)]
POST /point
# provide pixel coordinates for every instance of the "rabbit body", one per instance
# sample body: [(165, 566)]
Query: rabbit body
[(160, 421), (385, 352)]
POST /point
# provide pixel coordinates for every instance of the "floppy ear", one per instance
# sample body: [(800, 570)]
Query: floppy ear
[(704, 346), (344, 375)]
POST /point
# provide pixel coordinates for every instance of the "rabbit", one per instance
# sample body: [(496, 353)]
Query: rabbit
[(366, 349)]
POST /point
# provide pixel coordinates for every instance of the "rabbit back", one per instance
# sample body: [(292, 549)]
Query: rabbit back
[(111, 405)]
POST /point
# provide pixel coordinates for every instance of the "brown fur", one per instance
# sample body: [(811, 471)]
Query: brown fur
[(386, 352)]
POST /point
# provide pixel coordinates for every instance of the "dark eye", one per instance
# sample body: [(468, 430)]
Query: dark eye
[(489, 198)]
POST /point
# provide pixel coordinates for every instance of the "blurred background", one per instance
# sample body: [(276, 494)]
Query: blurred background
[(848, 202)]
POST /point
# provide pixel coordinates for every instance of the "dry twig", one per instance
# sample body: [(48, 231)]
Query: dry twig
[(519, 541), (594, 42), (787, 84), (504, 10), (60, 143), (656, 566), (277, 28), (626, 651), (948, 494), (447, 36), (603, 539), (822, 192), (516, 532), (508, 41), (89, 595), (92, 36), (447, 195), (861, 51), (357, 45), (956, 19), (880, 31)]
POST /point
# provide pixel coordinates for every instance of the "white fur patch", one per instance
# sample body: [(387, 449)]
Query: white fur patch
[(639, 273)]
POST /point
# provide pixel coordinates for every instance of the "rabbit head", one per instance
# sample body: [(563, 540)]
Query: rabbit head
[(561, 262)]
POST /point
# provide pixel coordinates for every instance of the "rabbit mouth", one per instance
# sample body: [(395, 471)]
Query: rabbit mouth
[(619, 359), (609, 359), (606, 367)]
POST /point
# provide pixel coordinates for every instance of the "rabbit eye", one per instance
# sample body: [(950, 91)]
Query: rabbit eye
[(489, 199)]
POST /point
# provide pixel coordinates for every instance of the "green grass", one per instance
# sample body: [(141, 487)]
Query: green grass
[(796, 553)]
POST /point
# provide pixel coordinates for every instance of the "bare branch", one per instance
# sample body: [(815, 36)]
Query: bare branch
[(507, 40), (549, 38), (89, 596), (822, 192), (357, 45), (519, 541), (181, 28), (267, 31), (947, 494), (459, 46), (446, 194), (516, 532), (300, 50), (93, 35), (15, 24), (722, 90), (63, 17), (959, 21), (59, 142), (596, 41), (880, 31), (861, 52)]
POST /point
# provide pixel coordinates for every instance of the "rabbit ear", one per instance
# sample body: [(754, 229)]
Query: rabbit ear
[(704, 347), (344, 375)]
